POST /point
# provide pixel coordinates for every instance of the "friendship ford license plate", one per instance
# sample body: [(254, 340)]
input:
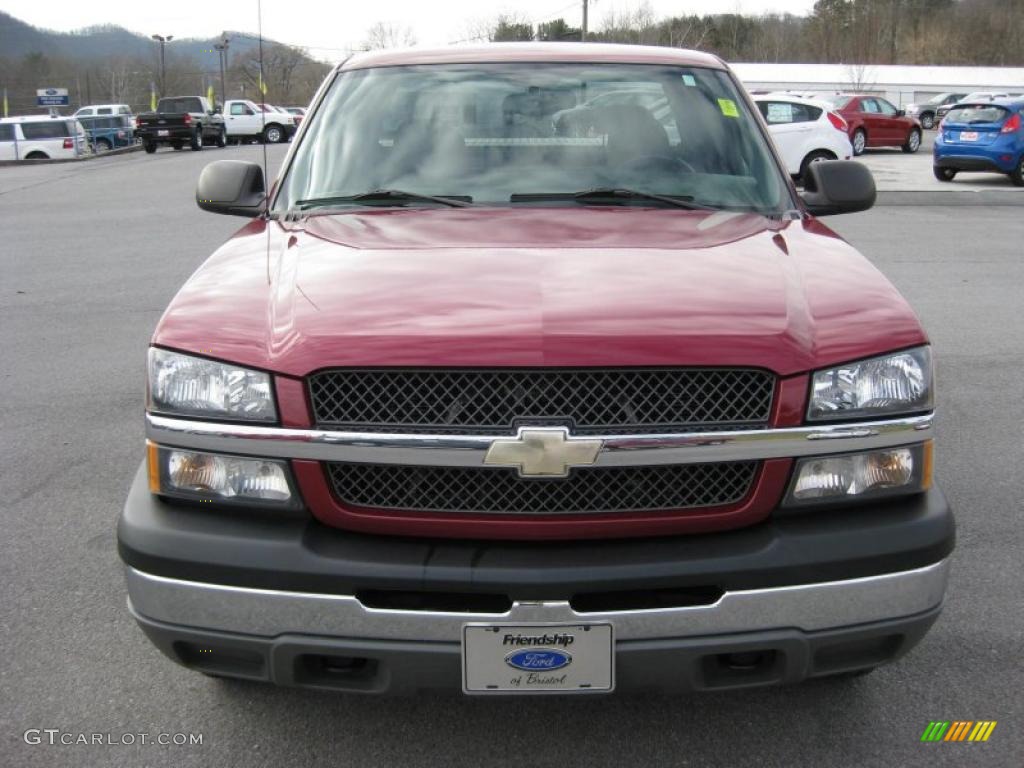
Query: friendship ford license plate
[(163, 133), (538, 658), (968, 135)]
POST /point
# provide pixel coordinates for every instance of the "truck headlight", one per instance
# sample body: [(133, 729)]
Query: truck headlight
[(854, 476), (896, 383), (193, 386), (221, 478)]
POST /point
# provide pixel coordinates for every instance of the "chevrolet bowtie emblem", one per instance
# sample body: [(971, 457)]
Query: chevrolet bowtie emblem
[(543, 452)]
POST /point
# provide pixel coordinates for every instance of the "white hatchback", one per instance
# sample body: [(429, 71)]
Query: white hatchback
[(39, 137), (804, 130)]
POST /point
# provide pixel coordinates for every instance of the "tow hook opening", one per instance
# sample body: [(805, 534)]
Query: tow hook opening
[(741, 668), (329, 671)]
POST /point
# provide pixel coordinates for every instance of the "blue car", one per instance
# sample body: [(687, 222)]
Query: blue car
[(108, 132), (982, 136)]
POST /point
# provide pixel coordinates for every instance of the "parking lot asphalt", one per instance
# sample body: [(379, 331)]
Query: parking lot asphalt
[(896, 171), (91, 253)]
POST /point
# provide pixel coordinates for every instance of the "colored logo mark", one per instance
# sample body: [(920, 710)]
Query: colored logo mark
[(958, 730)]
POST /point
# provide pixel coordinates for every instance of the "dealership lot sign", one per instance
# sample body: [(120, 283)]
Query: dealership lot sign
[(52, 97)]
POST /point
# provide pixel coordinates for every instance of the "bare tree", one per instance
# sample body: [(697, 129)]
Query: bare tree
[(860, 77), (389, 34), (122, 80), (504, 27)]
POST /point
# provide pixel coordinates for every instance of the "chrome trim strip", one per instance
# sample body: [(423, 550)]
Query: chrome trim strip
[(271, 612), (470, 450)]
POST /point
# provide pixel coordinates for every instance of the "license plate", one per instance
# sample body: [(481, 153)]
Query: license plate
[(968, 135), (163, 133), (538, 658)]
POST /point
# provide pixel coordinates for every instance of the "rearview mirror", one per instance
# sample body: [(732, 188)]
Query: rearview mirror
[(233, 187), (838, 186)]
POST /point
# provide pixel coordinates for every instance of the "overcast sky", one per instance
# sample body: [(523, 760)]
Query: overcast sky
[(329, 27)]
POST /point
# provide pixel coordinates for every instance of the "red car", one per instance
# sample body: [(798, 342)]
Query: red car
[(874, 122), (513, 388)]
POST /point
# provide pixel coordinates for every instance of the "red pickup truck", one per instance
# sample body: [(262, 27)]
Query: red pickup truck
[(534, 373)]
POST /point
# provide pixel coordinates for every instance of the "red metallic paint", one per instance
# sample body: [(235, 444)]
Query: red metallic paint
[(879, 130), (293, 407), (563, 286), (572, 53), (790, 403), (766, 495), (537, 287)]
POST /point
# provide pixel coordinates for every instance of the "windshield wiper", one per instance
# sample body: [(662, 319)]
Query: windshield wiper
[(597, 194), (384, 196)]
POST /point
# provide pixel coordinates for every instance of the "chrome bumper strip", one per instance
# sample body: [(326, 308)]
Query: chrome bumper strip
[(470, 450), (270, 612)]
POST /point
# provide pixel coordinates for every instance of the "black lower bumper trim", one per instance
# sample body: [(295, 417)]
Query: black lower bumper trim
[(303, 555), (742, 660), (968, 163)]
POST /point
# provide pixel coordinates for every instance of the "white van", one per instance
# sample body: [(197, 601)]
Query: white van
[(103, 109), (39, 137)]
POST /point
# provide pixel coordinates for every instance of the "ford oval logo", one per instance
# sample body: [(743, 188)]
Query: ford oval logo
[(541, 659)]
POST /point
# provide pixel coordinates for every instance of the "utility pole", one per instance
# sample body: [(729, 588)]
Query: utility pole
[(163, 67), (583, 34), (222, 49)]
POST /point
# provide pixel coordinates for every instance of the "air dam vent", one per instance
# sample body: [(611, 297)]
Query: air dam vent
[(502, 491)]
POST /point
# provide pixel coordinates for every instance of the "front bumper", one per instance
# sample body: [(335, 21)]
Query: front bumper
[(299, 603), (667, 664)]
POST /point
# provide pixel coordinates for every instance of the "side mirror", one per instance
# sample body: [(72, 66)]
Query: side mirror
[(233, 187), (901, 113), (838, 186)]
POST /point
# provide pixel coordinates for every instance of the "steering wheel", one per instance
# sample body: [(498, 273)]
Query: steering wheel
[(644, 161)]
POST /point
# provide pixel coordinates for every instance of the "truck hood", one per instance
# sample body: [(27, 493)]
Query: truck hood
[(595, 286)]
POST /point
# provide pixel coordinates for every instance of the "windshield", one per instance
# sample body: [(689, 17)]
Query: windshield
[(516, 133), (185, 104), (987, 113), (937, 99)]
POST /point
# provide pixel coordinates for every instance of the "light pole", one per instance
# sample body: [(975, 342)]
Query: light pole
[(222, 49), (163, 68)]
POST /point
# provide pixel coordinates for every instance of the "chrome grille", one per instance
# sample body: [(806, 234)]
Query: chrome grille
[(586, 400), (498, 491)]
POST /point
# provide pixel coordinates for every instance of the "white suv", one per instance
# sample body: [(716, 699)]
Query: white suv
[(38, 137), (804, 130)]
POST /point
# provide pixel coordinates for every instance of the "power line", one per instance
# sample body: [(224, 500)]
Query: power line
[(295, 45)]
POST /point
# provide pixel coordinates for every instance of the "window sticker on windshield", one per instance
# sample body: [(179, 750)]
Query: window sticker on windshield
[(728, 107), (689, 80)]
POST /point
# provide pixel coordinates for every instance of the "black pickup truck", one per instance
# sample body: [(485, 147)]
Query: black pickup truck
[(179, 120)]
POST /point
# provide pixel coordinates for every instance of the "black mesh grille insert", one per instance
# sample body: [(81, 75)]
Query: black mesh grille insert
[(500, 490), (497, 401)]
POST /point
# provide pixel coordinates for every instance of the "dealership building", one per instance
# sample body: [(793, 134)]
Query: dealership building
[(901, 85)]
